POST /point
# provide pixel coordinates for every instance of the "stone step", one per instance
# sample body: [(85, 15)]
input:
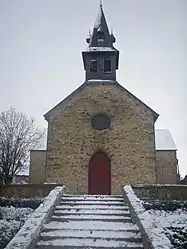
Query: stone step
[(91, 207), (90, 217), (86, 243), (95, 203), (131, 229), (90, 234), (139, 246), (137, 240), (91, 212), (95, 225), (90, 198)]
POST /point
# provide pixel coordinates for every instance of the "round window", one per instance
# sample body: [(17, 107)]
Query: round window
[(100, 122)]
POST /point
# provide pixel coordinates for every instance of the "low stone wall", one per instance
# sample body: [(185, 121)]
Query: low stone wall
[(26, 190), (161, 192)]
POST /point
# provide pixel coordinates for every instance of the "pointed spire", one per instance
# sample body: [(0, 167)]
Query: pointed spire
[(101, 24), (100, 36)]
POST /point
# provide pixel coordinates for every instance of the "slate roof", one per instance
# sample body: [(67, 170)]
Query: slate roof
[(100, 23)]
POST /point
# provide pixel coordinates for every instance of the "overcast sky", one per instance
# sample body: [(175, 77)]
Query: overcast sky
[(40, 55)]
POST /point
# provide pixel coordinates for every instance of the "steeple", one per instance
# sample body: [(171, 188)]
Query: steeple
[(100, 59), (100, 23)]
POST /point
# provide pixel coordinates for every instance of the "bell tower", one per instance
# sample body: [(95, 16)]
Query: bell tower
[(100, 59)]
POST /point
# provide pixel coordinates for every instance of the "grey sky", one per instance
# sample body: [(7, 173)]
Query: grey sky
[(40, 55)]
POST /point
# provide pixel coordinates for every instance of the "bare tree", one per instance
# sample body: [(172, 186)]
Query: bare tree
[(18, 134)]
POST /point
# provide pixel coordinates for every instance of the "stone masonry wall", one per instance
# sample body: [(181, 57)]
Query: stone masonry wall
[(166, 164), (37, 166), (129, 143), (26, 190), (161, 192)]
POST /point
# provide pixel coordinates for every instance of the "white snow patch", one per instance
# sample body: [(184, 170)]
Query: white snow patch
[(161, 185), (92, 217), (12, 219), (91, 211), (88, 242), (101, 202), (91, 233), (92, 225), (12, 213), (164, 140), (95, 49), (171, 222), (96, 81), (111, 207), (93, 198), (176, 218)]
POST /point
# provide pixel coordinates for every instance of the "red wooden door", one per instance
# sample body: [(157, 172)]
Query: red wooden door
[(99, 175)]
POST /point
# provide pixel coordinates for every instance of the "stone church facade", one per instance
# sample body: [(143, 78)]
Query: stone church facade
[(102, 136)]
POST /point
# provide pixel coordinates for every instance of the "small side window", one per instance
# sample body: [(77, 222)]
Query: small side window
[(107, 66), (93, 66)]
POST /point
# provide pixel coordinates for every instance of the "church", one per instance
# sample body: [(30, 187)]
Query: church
[(101, 136)]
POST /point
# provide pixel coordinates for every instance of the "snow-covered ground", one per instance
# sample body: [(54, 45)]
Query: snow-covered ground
[(13, 214), (32, 227), (174, 222), (11, 220)]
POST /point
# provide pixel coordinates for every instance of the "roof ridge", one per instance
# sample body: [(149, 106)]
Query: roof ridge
[(100, 82)]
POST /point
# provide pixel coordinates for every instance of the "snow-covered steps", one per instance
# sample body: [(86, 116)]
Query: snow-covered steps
[(87, 210), (87, 243), (92, 197), (94, 225), (90, 217), (91, 206), (90, 221), (92, 202), (89, 234)]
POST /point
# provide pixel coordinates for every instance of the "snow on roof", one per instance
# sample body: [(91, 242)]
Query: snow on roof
[(164, 140), (100, 80), (95, 49)]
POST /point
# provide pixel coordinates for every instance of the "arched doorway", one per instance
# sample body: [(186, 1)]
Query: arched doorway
[(99, 174)]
